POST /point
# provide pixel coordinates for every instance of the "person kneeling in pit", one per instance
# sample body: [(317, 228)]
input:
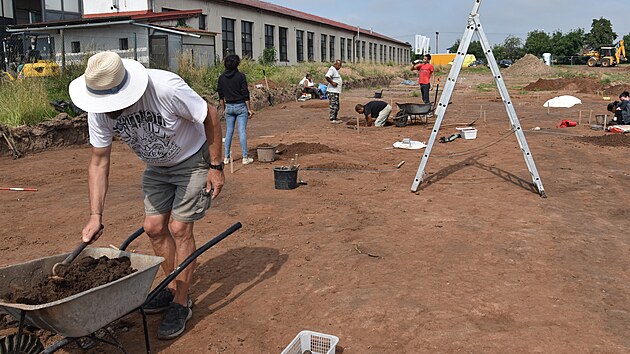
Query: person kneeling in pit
[(372, 109)]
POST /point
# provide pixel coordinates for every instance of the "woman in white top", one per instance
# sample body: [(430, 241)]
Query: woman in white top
[(308, 86)]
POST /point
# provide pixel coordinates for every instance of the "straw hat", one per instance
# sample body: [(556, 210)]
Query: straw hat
[(109, 83)]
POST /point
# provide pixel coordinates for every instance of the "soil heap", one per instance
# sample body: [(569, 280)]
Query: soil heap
[(580, 85), (82, 275), (529, 65)]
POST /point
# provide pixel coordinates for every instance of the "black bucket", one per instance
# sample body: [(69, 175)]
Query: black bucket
[(285, 178)]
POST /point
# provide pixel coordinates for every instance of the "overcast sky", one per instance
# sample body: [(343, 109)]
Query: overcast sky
[(403, 19)]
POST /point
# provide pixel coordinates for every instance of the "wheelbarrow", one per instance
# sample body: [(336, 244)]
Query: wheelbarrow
[(412, 113), (82, 314)]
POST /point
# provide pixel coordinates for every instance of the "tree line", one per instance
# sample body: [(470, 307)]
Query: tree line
[(564, 47)]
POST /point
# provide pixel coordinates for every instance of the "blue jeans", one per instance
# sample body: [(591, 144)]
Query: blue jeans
[(236, 113)]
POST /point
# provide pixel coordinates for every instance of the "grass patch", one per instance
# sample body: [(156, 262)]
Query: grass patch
[(24, 102), (487, 87), (27, 102), (204, 79)]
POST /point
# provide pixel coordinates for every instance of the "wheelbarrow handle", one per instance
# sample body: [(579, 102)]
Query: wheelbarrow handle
[(131, 238), (191, 259)]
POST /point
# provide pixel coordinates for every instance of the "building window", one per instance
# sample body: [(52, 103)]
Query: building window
[(123, 43), (6, 9), (71, 6), (349, 42), (332, 48), (380, 50), (357, 50), (203, 19), (299, 45), (310, 46), (323, 49), (342, 48), (370, 52), (75, 47), (269, 43), (363, 50), (227, 28), (61, 5), (283, 44), (246, 39)]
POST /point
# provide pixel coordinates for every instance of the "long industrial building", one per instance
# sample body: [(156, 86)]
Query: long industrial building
[(155, 32)]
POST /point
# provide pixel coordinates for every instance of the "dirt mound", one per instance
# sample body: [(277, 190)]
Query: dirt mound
[(289, 151), (614, 140), (580, 85), (529, 65), (614, 91), (338, 166), (272, 85), (82, 275)]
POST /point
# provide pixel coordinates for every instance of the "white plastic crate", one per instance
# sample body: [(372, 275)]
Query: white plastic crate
[(468, 133), (316, 343)]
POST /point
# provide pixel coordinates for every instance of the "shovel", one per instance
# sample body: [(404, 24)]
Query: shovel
[(58, 267), (269, 98)]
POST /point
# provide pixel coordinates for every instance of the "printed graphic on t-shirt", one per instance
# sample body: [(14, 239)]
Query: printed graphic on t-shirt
[(145, 133)]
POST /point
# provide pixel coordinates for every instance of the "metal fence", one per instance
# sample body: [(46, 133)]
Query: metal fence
[(19, 49), (24, 48)]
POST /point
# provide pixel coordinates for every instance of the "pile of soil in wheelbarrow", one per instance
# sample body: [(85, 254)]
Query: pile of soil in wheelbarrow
[(81, 275)]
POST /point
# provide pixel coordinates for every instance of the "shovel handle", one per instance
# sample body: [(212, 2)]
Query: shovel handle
[(74, 254), (70, 258)]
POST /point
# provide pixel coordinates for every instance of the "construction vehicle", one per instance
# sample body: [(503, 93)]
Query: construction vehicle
[(40, 68), (607, 56)]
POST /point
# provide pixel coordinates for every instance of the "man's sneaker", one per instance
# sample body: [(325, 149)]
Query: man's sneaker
[(160, 302), (336, 121), (226, 161), (247, 160), (174, 322)]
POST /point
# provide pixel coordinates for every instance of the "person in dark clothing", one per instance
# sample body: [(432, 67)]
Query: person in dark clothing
[(617, 117), (378, 110), (624, 107), (234, 97)]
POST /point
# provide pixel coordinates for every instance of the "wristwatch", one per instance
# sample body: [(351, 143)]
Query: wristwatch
[(216, 167)]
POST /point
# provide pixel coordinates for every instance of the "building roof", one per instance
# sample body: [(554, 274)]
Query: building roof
[(261, 5), (148, 16)]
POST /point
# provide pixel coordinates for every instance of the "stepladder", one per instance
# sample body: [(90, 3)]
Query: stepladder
[(474, 27)]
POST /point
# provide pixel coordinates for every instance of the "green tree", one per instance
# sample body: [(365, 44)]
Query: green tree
[(513, 47), (474, 48), (601, 34), (626, 39), (538, 42), (569, 44), (499, 52), (268, 56), (455, 45)]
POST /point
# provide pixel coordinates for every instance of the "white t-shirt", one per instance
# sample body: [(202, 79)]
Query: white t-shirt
[(164, 128), (308, 82), (333, 74)]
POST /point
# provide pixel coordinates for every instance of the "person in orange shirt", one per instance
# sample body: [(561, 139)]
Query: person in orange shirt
[(425, 72)]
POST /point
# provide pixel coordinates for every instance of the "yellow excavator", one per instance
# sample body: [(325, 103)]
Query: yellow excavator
[(40, 68), (607, 56)]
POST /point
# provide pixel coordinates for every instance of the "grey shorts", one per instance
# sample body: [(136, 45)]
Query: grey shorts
[(179, 189)]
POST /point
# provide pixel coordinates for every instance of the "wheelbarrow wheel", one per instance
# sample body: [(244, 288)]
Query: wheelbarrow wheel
[(401, 118), (29, 344)]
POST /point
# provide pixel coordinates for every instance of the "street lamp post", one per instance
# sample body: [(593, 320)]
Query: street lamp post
[(437, 46)]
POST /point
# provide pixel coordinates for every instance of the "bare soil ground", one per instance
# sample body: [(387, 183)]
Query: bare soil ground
[(475, 262)]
